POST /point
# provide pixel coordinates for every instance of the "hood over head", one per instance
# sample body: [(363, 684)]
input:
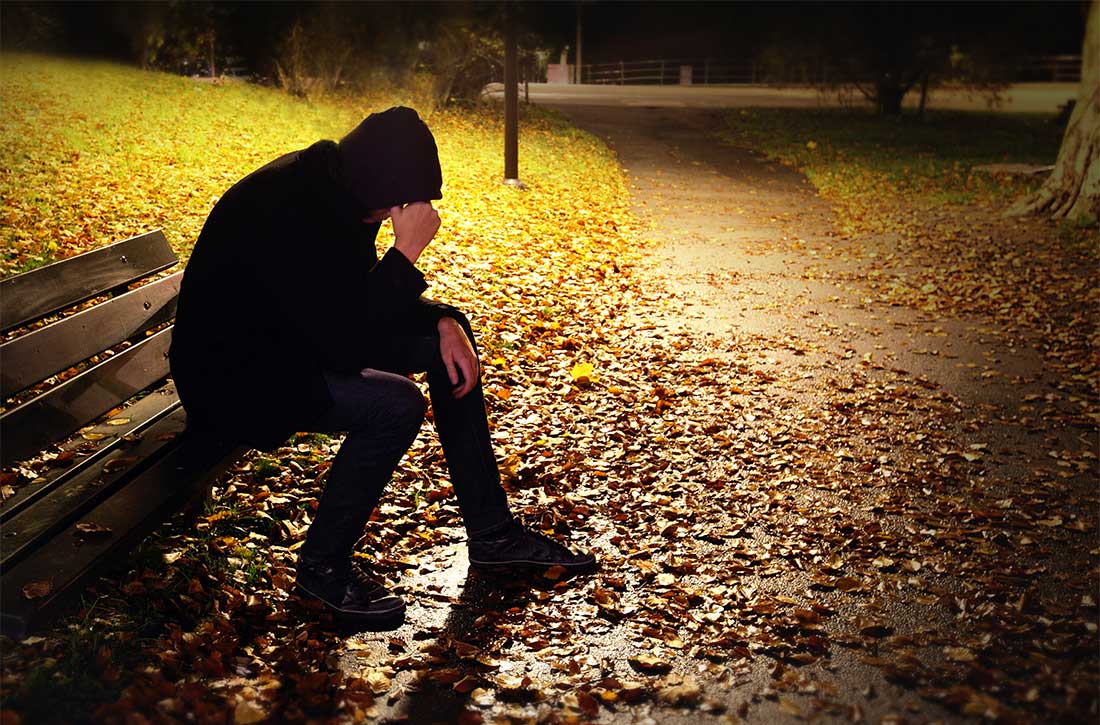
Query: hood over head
[(391, 159)]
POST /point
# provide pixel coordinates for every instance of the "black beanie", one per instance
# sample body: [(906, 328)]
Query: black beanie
[(391, 159)]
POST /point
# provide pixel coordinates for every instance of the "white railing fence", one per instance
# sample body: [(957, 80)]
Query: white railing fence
[(669, 72), (705, 71)]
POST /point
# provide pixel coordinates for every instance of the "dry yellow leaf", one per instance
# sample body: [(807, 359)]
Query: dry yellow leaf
[(582, 373)]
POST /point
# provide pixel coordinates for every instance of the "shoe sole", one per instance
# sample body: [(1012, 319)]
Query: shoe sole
[(385, 616), (588, 564)]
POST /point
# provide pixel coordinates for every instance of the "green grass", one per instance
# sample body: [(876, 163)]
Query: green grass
[(853, 156), (265, 468), (924, 224), (76, 673), (87, 656)]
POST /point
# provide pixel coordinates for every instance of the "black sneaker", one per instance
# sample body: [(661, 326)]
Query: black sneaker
[(518, 547), (349, 593)]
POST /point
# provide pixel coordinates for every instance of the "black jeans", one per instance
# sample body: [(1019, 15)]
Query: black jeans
[(382, 410)]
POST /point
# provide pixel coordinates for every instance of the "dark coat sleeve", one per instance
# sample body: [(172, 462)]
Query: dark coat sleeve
[(426, 314), (335, 295)]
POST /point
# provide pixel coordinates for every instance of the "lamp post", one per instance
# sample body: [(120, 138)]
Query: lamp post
[(511, 99), (577, 75)]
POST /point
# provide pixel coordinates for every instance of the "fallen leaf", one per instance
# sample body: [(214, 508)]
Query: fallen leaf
[(848, 584), (686, 693), (959, 654), (37, 589), (378, 681), (554, 573), (582, 373), (649, 663), (248, 711), (788, 707), (90, 528), (466, 684), (118, 464)]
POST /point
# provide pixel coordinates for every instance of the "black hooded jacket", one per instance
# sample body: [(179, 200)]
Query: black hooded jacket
[(284, 281)]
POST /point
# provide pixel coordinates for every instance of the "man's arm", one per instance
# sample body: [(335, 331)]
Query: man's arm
[(414, 226), (394, 284)]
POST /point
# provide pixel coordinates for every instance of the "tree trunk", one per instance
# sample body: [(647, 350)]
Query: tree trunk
[(1073, 189), (888, 95), (923, 94)]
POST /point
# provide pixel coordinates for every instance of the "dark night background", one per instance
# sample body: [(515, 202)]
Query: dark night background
[(613, 31)]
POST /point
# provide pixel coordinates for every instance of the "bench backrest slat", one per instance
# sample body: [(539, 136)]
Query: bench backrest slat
[(32, 295), (49, 350), (74, 403)]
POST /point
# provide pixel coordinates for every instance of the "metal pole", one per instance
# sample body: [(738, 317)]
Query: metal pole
[(511, 99), (578, 69)]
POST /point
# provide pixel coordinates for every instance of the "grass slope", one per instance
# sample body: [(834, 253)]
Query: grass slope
[(927, 228), (94, 153), (862, 162)]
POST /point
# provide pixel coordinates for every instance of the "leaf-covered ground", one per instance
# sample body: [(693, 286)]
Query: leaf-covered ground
[(924, 465), (803, 506)]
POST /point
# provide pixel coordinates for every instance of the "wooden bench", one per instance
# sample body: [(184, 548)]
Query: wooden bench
[(109, 485)]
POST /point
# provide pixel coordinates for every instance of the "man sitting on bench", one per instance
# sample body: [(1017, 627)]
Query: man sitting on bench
[(288, 321)]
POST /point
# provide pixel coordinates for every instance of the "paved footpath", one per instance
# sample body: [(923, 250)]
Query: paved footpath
[(1017, 98), (723, 219)]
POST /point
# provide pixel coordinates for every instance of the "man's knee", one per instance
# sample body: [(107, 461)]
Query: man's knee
[(393, 402), (407, 406)]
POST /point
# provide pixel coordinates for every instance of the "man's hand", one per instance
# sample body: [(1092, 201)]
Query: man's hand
[(414, 226), (458, 355)]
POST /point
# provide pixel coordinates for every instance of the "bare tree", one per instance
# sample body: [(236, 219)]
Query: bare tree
[(28, 25), (1072, 191), (888, 50), (317, 53), (464, 56)]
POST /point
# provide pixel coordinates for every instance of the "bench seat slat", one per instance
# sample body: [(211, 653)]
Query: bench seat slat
[(33, 357), (63, 505), (88, 453), (60, 411), (40, 292), (181, 478)]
